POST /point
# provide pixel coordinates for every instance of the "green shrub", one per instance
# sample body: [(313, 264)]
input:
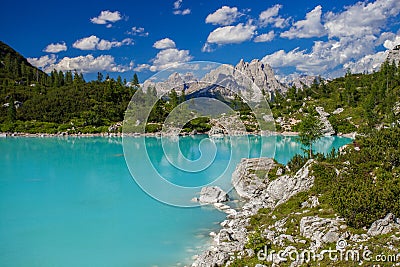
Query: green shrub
[(297, 162), (153, 127)]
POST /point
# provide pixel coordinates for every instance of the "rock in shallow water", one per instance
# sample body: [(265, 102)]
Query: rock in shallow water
[(212, 194)]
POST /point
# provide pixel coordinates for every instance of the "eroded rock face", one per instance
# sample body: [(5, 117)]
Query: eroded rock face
[(385, 225), (244, 179), (323, 117), (212, 194), (280, 190)]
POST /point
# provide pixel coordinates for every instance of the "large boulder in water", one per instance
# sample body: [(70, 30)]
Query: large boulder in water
[(213, 194)]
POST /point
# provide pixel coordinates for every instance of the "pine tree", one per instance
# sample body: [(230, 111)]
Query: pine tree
[(310, 130), (99, 77), (12, 111), (135, 80), (68, 78)]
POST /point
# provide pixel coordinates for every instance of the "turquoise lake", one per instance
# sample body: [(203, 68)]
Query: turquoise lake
[(73, 201)]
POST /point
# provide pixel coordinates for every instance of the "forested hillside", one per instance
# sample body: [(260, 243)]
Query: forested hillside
[(368, 100), (57, 102)]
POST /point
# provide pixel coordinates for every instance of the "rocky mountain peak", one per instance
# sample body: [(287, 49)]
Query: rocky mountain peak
[(394, 55), (225, 80), (261, 74)]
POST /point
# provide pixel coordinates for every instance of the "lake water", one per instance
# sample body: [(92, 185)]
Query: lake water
[(73, 201)]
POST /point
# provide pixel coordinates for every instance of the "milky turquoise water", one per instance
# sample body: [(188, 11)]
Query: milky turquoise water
[(73, 202)]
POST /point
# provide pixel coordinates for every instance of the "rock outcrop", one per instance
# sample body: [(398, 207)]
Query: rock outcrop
[(280, 190), (233, 236), (385, 225), (290, 230), (244, 179), (212, 194), (394, 55), (320, 230), (323, 117)]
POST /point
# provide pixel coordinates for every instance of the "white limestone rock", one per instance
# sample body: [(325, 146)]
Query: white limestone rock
[(212, 194)]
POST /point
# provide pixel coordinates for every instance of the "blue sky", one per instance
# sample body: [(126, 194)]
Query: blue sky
[(123, 37)]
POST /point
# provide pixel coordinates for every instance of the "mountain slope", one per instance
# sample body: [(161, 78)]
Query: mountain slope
[(14, 66)]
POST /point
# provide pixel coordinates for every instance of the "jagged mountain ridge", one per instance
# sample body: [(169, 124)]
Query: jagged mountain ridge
[(225, 80)]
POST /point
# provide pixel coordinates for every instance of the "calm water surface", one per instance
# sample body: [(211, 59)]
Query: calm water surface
[(73, 202)]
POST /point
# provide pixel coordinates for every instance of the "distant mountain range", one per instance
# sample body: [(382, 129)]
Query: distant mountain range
[(249, 79)]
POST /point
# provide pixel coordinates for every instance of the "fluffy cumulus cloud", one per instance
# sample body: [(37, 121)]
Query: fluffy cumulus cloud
[(324, 56), (169, 58), (138, 31), (362, 18), (390, 43), (84, 64), (141, 67), (95, 43), (178, 9), (164, 44), (55, 48), (355, 37), (107, 16), (310, 27), (224, 16), (270, 17), (266, 37), (43, 62), (368, 63), (231, 34)]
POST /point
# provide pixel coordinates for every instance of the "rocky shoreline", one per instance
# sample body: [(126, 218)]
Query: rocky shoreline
[(314, 231), (157, 134), (230, 241)]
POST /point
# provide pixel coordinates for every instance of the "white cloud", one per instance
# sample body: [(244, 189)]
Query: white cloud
[(266, 37), (107, 16), (43, 61), (169, 58), (177, 4), (95, 43), (138, 31), (224, 16), (270, 16), (142, 67), (88, 43), (385, 36), (368, 63), (231, 34), (164, 44), (55, 48), (184, 12), (324, 56), (207, 48), (310, 27), (391, 43), (177, 9), (354, 39), (84, 64), (361, 19)]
